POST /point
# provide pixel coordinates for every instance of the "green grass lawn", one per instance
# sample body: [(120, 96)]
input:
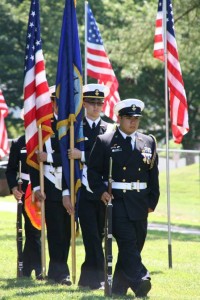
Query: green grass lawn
[(181, 282), (184, 197)]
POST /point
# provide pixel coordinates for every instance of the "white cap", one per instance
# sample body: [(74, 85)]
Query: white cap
[(95, 90), (131, 107)]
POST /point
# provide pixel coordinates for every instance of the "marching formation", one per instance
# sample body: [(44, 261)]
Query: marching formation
[(119, 157), (72, 167)]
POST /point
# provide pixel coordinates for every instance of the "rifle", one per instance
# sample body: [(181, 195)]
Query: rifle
[(19, 228), (108, 239)]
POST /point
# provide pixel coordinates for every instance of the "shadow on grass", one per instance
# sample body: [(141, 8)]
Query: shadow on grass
[(23, 286), (128, 296), (12, 237), (152, 234), (16, 283), (160, 235), (92, 297), (157, 273), (114, 297)]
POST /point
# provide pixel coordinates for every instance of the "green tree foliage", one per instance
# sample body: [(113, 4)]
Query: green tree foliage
[(127, 28)]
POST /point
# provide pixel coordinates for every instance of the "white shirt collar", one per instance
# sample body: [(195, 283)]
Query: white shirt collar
[(90, 122), (125, 135)]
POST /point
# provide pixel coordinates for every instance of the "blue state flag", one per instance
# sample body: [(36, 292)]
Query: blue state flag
[(69, 91)]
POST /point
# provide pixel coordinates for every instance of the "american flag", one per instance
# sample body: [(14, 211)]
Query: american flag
[(99, 66), (177, 95), (3, 131), (37, 102)]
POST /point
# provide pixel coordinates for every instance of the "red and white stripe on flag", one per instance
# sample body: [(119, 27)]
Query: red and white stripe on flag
[(37, 102), (3, 132), (177, 95), (37, 108), (99, 66)]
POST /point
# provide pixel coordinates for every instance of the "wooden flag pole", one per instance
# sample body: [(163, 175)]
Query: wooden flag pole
[(72, 192), (43, 248)]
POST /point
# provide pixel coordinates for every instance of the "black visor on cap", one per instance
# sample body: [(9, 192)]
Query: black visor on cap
[(130, 111), (94, 94)]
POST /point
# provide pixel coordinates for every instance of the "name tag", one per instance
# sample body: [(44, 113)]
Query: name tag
[(117, 150)]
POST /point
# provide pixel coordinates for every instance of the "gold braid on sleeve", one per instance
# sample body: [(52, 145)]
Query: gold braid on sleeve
[(154, 153)]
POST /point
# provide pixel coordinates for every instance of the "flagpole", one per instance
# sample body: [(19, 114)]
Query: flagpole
[(86, 3), (167, 134), (72, 193), (43, 248)]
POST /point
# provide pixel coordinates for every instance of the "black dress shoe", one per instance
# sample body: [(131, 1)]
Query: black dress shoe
[(83, 286), (120, 289), (91, 287), (143, 288), (65, 281), (118, 293), (39, 277)]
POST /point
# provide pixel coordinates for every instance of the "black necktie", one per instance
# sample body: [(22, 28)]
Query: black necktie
[(128, 140), (93, 125)]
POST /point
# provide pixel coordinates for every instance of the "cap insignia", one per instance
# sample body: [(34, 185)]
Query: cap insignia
[(96, 92), (133, 107)]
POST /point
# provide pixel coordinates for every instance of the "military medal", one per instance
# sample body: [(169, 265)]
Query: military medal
[(146, 153), (145, 159)]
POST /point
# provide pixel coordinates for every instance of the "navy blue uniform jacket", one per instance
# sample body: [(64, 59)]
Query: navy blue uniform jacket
[(127, 167)]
